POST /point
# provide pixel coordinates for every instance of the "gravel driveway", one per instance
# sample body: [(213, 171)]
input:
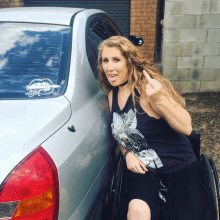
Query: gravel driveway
[(204, 109)]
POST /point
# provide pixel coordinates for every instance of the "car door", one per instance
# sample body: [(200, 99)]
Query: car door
[(100, 137), (90, 141)]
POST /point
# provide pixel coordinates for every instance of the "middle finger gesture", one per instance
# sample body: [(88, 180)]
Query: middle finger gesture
[(154, 89)]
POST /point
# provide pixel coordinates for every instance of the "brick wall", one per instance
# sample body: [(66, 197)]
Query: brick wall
[(191, 49), (143, 23), (11, 3)]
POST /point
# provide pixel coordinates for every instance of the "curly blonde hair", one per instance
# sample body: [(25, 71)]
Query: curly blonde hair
[(136, 64)]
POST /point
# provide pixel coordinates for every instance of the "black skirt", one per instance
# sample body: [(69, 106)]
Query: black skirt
[(184, 195)]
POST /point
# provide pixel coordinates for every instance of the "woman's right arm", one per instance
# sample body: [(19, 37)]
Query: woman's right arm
[(133, 163)]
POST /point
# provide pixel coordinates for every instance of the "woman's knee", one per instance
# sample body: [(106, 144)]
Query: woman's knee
[(138, 209)]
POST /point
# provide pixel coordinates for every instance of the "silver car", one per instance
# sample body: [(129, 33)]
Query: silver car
[(54, 130)]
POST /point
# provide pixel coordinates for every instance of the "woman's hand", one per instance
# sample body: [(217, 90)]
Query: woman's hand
[(166, 107), (134, 164), (154, 90)]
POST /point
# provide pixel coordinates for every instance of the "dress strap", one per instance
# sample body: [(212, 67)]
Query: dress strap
[(115, 99), (137, 102)]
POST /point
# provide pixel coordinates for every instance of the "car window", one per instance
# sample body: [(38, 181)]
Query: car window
[(112, 28), (95, 33), (33, 60)]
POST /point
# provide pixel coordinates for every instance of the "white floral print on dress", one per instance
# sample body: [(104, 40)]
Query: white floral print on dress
[(125, 132)]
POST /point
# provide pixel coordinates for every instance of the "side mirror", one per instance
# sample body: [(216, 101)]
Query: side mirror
[(136, 40)]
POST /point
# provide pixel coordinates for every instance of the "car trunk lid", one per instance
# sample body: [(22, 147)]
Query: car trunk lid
[(25, 124)]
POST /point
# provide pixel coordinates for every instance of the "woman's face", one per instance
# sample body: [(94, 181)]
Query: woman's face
[(114, 65)]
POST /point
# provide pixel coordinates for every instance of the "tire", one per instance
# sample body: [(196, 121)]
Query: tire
[(217, 186), (117, 187), (210, 176), (106, 199)]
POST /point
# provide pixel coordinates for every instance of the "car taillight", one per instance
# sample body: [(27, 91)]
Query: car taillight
[(31, 190)]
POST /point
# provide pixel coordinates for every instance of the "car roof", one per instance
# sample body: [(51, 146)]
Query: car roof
[(47, 15)]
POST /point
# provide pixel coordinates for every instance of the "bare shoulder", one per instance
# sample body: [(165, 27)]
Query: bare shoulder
[(110, 94)]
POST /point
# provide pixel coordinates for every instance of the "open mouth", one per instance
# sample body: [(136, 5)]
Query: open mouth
[(112, 77)]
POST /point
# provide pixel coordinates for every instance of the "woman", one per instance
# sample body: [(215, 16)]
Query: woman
[(163, 180)]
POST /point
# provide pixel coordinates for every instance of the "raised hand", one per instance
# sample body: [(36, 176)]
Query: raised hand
[(154, 89)]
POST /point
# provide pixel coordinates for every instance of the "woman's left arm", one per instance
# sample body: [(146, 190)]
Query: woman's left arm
[(164, 105)]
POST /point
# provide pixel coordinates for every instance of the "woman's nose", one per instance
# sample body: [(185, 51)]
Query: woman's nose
[(110, 66)]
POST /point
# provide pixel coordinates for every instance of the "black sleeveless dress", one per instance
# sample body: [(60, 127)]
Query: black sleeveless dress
[(176, 186)]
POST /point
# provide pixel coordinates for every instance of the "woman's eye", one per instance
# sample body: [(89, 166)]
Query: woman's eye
[(116, 59), (105, 60)]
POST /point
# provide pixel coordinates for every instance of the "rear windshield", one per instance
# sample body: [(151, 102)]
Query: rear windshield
[(33, 60)]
